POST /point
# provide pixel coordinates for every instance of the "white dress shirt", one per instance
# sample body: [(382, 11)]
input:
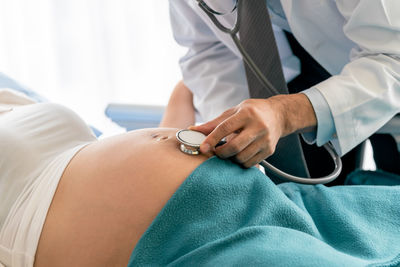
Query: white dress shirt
[(357, 41)]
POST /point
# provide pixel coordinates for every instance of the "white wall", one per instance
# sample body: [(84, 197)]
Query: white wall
[(87, 53)]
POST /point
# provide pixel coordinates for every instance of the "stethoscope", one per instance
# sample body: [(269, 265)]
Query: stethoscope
[(191, 140)]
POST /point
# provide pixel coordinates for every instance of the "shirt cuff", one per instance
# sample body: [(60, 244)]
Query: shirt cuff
[(326, 129)]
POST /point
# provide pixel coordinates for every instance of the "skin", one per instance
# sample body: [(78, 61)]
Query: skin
[(108, 196), (180, 110)]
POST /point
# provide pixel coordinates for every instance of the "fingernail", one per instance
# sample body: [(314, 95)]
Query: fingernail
[(205, 148)]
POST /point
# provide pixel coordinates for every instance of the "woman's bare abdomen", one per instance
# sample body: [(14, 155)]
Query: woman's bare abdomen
[(109, 194)]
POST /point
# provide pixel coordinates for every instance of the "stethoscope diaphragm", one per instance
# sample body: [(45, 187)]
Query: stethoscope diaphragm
[(190, 141)]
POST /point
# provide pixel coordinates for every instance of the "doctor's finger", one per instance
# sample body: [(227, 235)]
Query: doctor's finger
[(239, 144), (248, 153), (257, 158), (208, 127), (230, 125), (265, 150)]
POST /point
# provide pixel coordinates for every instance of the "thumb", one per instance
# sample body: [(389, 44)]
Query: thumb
[(208, 127)]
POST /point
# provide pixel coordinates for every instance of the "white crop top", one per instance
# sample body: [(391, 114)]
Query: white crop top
[(37, 141)]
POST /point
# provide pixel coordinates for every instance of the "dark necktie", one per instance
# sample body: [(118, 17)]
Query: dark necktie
[(257, 38)]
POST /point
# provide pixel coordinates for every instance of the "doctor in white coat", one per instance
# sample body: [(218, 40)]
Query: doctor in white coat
[(356, 41)]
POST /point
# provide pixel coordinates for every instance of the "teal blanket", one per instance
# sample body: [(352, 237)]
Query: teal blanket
[(223, 215)]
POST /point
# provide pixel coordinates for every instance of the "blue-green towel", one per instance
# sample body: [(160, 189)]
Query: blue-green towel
[(223, 215), (378, 177)]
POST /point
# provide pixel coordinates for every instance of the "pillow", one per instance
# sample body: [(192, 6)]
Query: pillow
[(7, 82)]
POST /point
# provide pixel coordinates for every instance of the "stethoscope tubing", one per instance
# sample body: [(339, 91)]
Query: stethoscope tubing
[(306, 180), (234, 35)]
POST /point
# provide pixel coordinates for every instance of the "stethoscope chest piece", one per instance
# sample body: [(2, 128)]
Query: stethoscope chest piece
[(190, 141)]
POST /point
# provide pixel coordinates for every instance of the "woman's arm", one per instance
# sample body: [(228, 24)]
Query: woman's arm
[(180, 109)]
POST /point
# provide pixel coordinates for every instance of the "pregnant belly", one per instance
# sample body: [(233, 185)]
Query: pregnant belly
[(108, 196)]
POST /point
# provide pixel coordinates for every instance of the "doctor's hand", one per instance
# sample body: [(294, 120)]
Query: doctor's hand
[(252, 128)]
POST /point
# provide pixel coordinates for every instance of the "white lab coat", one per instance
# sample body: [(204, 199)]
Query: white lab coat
[(357, 41)]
